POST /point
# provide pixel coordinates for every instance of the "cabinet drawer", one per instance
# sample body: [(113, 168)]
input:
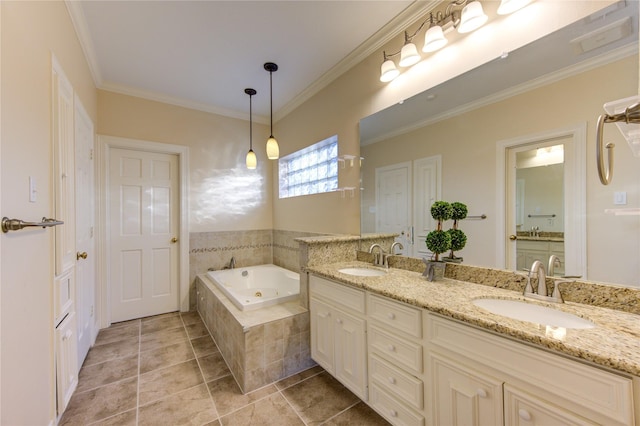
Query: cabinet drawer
[(524, 409), (350, 298), (400, 384), (405, 353), (396, 315), (392, 410)]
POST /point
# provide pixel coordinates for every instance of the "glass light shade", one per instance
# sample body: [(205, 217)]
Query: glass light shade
[(252, 161), (472, 18), (434, 39), (388, 71), (509, 6), (273, 150), (409, 55)]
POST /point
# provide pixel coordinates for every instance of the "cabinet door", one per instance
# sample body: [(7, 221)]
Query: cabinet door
[(464, 397), (350, 352), (322, 334), (66, 360), (524, 409)]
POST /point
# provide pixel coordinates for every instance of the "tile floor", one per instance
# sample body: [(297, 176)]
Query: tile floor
[(167, 370)]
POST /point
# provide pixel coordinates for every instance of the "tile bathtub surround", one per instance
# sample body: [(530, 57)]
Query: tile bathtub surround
[(286, 250), (260, 346), (179, 381)]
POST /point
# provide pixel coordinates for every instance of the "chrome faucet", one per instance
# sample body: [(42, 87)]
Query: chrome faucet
[(553, 262), (232, 263), (541, 292), (394, 245), (380, 258)]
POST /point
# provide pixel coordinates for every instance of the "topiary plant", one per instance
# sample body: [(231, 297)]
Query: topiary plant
[(458, 238), (439, 241)]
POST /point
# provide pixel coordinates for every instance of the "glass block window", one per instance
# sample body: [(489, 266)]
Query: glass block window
[(312, 170)]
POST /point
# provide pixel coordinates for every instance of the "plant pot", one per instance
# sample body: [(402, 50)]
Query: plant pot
[(434, 270), (452, 259)]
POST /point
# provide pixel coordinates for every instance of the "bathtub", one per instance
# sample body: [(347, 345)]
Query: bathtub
[(255, 287)]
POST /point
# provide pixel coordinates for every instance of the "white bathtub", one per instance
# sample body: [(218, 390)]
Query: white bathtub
[(255, 287)]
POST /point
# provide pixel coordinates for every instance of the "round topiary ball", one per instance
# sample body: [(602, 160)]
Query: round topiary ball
[(438, 241), (441, 210), (458, 239), (459, 211)]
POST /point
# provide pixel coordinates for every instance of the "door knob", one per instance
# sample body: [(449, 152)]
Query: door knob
[(82, 255), (513, 237), (174, 240)]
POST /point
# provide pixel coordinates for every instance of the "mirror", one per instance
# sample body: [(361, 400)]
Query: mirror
[(459, 125)]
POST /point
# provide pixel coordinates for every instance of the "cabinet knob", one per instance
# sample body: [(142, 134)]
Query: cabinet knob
[(513, 237), (391, 315), (524, 414), (174, 240), (391, 348), (481, 393), (393, 413), (82, 255), (392, 380)]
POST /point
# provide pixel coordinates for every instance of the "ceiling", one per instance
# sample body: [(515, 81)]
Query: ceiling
[(203, 54)]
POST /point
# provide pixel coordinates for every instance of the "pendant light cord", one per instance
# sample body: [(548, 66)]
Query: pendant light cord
[(271, 99)]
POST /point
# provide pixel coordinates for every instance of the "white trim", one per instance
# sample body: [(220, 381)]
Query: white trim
[(84, 37), (575, 199), (105, 143)]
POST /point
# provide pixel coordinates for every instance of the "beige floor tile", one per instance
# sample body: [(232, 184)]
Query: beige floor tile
[(197, 330), (319, 398), (164, 382), (118, 332), (213, 367), (163, 323), (358, 415), (192, 317), (96, 375), (296, 378), (159, 339), (191, 407), (161, 316), (128, 418), (204, 346), (113, 350), (273, 410), (228, 397), (100, 403), (165, 356)]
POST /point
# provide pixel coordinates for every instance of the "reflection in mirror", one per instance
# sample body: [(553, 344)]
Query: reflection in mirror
[(539, 206), (462, 121)]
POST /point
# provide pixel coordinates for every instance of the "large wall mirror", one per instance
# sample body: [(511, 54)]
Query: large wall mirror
[(514, 140)]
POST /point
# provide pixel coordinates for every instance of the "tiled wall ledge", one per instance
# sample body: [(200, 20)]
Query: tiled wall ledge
[(587, 292)]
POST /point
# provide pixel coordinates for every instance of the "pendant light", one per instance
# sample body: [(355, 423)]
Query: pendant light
[(273, 150), (251, 160)]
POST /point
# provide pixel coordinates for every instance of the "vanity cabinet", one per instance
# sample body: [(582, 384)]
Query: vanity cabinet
[(481, 378), (338, 332)]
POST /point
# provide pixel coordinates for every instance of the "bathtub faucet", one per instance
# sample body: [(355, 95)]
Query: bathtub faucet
[(232, 263)]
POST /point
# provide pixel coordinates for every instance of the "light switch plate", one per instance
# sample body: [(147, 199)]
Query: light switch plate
[(620, 198)]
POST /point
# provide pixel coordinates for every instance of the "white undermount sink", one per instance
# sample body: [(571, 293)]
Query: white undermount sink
[(363, 272), (530, 312)]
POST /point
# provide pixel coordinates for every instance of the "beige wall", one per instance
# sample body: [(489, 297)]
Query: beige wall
[(224, 195), (31, 32), (467, 144)]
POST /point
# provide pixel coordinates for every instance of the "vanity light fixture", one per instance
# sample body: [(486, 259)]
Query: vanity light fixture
[(251, 160), (273, 150), (464, 15)]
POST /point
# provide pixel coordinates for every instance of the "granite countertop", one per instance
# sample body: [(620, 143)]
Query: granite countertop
[(613, 343)]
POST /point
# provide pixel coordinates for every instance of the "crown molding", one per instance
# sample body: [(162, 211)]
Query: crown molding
[(409, 16), (82, 31)]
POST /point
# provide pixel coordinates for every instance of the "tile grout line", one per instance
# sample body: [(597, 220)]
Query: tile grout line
[(204, 379), (138, 378)]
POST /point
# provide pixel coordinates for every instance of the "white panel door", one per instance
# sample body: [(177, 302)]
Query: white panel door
[(143, 220), (85, 224), (426, 190), (393, 202)]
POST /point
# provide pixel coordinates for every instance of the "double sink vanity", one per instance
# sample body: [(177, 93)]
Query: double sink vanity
[(455, 352)]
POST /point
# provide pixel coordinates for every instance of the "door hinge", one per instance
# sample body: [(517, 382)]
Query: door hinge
[(91, 154)]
